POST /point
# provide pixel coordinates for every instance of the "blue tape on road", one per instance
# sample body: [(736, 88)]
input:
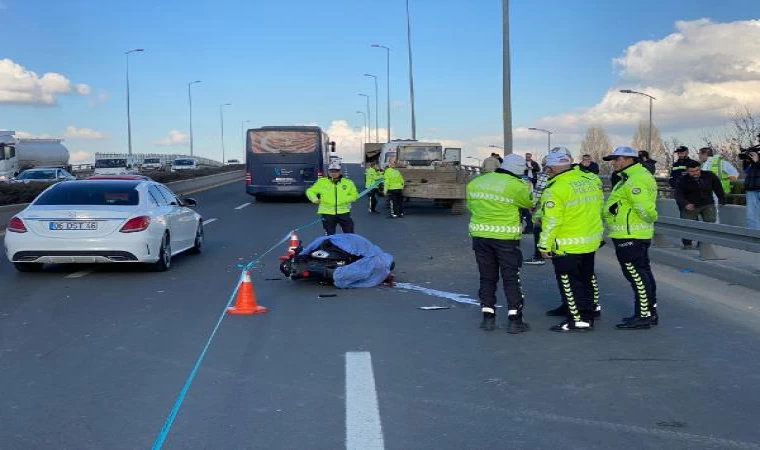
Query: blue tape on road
[(159, 442), (161, 438)]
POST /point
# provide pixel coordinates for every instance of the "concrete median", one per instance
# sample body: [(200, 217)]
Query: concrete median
[(182, 187)]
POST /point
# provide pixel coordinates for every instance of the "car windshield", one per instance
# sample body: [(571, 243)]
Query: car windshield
[(420, 155), (152, 161), (90, 193), (37, 175), (110, 163), (184, 162)]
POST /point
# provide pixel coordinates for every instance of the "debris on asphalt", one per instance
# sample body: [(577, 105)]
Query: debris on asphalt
[(433, 308), (272, 279), (326, 295), (687, 270)]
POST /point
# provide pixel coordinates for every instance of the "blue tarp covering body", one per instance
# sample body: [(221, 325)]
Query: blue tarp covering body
[(370, 271)]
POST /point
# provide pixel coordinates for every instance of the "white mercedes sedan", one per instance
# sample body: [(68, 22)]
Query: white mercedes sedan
[(104, 221)]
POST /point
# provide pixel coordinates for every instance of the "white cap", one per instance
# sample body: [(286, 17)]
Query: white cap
[(334, 166), (558, 159), (627, 152), (514, 163), (559, 150)]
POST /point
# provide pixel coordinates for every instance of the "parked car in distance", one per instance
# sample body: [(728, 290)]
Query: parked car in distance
[(104, 221), (44, 175), (149, 164), (233, 162), (184, 164), (119, 177)]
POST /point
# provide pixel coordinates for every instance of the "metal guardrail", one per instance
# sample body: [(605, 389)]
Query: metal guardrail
[(708, 234)]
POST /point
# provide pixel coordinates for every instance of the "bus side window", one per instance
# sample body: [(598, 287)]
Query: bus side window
[(2, 152)]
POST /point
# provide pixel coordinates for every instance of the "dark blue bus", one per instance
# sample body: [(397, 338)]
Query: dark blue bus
[(285, 161)]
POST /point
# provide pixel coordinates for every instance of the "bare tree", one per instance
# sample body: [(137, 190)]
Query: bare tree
[(740, 132), (597, 144), (659, 152)]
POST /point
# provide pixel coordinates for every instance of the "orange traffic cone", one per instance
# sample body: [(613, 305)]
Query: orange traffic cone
[(245, 301)]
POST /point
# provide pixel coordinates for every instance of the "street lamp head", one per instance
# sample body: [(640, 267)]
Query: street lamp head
[(370, 75), (363, 95), (533, 129), (626, 91), (196, 81)]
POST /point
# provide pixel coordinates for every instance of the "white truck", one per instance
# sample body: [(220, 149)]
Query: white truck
[(17, 155), (118, 165)]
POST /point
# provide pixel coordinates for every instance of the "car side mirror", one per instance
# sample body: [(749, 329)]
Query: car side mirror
[(189, 202)]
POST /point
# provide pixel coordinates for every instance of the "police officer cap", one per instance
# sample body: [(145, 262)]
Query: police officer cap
[(334, 166), (514, 163), (626, 152)]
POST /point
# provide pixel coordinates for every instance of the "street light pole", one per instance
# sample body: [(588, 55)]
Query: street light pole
[(221, 122), (506, 81), (629, 91), (129, 116), (411, 71), (369, 117), (190, 101), (388, 85), (242, 130), (364, 120), (377, 100), (548, 135)]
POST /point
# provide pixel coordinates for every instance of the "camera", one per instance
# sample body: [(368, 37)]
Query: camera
[(744, 153)]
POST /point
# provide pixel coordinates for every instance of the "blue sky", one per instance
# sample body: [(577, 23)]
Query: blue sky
[(301, 61)]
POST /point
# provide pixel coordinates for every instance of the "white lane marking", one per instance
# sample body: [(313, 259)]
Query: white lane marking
[(363, 427), (81, 273), (243, 206), (206, 222), (459, 298)]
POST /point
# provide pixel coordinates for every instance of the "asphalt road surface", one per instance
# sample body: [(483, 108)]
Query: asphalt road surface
[(94, 357)]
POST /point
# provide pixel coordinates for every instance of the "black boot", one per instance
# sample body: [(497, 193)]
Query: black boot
[(515, 325), (597, 312), (654, 320), (636, 323), (559, 311), (489, 322)]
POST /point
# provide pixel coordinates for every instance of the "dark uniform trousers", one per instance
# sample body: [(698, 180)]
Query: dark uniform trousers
[(633, 255), (577, 284), (396, 199), (330, 223), (494, 257), (372, 196)]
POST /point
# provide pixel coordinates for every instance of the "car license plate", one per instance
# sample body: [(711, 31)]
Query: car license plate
[(86, 226), (284, 180)]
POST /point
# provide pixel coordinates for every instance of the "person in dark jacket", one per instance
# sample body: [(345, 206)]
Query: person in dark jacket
[(532, 168), (752, 187), (647, 161), (679, 166), (588, 165), (695, 192)]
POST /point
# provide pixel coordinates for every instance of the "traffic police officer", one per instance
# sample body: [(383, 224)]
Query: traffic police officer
[(394, 189), (371, 175), (630, 213), (334, 194), (571, 207), (494, 201)]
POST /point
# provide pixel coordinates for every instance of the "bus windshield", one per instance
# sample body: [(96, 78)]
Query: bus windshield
[(283, 142)]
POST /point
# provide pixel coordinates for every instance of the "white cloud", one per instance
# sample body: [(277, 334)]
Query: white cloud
[(699, 75), (81, 157), (175, 138), (28, 135), (19, 85), (83, 133)]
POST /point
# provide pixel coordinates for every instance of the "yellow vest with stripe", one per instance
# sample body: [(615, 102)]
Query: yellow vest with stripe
[(716, 167), (335, 197), (494, 201), (631, 208), (571, 208)]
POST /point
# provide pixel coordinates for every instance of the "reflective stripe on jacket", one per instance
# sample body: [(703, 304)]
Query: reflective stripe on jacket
[(494, 201), (335, 196), (571, 208), (631, 208)]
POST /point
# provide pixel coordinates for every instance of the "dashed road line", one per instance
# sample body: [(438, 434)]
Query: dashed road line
[(208, 221), (363, 427), (242, 206)]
